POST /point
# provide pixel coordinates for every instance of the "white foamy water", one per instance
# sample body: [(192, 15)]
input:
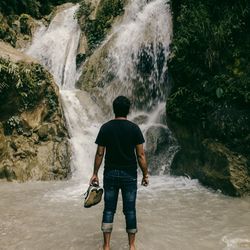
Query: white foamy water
[(56, 47), (139, 48), (173, 213)]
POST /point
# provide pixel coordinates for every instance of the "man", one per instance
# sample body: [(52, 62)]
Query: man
[(123, 142)]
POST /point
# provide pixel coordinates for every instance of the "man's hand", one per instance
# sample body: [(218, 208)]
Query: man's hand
[(98, 161), (94, 180), (145, 181), (142, 163)]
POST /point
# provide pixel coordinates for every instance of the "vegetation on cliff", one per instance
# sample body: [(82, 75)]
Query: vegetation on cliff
[(211, 68), (210, 98), (33, 136), (35, 8), (27, 82), (96, 26), (16, 18)]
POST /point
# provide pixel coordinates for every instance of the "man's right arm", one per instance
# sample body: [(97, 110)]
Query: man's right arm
[(141, 157)]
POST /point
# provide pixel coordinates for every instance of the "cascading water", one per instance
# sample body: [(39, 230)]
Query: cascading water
[(140, 51), (140, 39), (173, 213), (138, 62), (56, 47)]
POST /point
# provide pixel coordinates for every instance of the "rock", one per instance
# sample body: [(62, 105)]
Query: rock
[(156, 138), (83, 45), (43, 131), (3, 146), (210, 161), (6, 170), (8, 52), (160, 147), (34, 118), (225, 169), (140, 119), (36, 146)]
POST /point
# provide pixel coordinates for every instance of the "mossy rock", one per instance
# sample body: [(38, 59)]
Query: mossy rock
[(97, 25)]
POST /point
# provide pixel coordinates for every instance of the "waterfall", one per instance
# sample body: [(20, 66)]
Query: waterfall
[(138, 52), (138, 57), (56, 48)]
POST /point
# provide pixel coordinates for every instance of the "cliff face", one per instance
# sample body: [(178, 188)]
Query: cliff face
[(33, 136), (208, 108)]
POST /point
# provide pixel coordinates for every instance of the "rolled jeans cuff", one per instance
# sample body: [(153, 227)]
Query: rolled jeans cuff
[(107, 227), (131, 231)]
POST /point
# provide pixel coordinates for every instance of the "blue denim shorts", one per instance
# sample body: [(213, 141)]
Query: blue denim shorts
[(114, 180)]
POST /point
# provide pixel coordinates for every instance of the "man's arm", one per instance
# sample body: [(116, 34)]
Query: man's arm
[(141, 157), (98, 161)]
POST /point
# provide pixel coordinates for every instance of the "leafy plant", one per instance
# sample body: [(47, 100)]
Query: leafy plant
[(97, 28)]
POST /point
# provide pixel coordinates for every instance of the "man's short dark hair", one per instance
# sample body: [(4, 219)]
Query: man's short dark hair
[(121, 106)]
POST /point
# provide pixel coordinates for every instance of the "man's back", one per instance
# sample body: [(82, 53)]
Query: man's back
[(120, 137)]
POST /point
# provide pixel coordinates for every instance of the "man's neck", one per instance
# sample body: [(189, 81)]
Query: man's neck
[(120, 118)]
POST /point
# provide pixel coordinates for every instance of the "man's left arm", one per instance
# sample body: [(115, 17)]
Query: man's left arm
[(98, 161)]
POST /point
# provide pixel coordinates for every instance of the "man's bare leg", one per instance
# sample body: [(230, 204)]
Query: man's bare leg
[(131, 241), (106, 239)]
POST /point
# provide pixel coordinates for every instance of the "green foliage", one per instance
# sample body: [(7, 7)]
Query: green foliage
[(11, 124), (23, 82), (84, 10), (24, 24), (7, 32), (52, 101), (96, 29), (35, 8), (210, 66), (211, 49)]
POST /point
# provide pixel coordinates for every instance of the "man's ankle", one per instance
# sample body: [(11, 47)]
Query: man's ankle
[(132, 247), (106, 246)]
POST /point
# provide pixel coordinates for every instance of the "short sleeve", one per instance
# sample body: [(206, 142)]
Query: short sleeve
[(138, 139), (100, 139)]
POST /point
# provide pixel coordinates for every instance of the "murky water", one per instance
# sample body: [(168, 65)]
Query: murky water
[(173, 213)]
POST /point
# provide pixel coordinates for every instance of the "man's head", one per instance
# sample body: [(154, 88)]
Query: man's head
[(121, 106)]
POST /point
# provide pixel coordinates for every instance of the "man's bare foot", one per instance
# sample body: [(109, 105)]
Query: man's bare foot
[(132, 247), (105, 247)]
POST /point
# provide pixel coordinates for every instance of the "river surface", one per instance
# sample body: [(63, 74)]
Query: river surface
[(173, 213)]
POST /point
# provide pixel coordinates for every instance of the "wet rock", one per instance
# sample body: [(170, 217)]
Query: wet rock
[(140, 119), (210, 161), (156, 138), (225, 169), (160, 148)]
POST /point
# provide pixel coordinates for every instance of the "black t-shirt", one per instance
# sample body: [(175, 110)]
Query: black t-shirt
[(120, 138)]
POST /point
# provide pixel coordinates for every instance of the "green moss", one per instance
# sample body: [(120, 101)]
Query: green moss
[(21, 85), (97, 29), (11, 124), (25, 26), (7, 32)]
